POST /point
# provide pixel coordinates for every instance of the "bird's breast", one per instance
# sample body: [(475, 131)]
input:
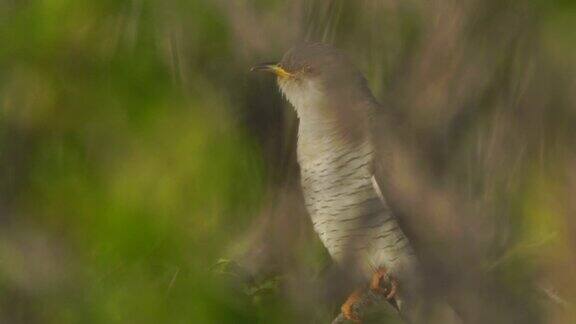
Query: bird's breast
[(347, 212)]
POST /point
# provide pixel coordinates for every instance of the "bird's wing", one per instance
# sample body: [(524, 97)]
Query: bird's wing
[(398, 179), (390, 167)]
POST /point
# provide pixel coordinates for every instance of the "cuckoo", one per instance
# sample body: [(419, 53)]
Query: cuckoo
[(336, 154)]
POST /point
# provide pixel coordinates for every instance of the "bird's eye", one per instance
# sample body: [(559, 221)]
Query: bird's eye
[(307, 69)]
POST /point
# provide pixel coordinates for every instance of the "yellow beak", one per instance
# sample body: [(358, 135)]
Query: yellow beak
[(273, 68)]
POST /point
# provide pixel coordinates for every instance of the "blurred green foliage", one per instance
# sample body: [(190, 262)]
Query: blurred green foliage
[(105, 159)]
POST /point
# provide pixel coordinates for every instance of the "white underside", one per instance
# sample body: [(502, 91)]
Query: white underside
[(352, 220)]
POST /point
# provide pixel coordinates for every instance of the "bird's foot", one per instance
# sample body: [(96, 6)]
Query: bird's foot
[(348, 308), (384, 284)]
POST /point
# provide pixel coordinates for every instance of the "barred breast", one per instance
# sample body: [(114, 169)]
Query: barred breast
[(351, 218)]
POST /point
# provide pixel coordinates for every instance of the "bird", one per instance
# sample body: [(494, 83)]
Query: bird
[(336, 154)]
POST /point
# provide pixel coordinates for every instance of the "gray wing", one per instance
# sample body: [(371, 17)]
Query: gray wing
[(399, 177), (393, 170)]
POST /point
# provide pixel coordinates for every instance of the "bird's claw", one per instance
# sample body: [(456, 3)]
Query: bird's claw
[(390, 288), (348, 308)]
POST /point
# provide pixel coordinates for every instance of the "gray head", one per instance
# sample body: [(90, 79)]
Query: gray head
[(314, 76)]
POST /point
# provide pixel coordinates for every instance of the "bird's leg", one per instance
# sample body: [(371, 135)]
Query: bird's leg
[(348, 307), (390, 288)]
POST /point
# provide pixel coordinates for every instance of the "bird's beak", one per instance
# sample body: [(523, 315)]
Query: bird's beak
[(272, 68)]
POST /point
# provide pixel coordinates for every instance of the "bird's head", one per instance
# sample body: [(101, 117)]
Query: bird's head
[(311, 75)]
